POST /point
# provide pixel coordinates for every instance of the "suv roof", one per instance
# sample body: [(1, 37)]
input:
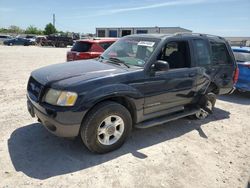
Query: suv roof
[(183, 34)]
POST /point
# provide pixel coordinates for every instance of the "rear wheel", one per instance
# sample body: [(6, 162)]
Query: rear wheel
[(106, 127), (207, 104)]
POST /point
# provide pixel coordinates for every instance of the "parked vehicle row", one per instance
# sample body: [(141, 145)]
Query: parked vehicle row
[(18, 41), (51, 40), (56, 41), (139, 81)]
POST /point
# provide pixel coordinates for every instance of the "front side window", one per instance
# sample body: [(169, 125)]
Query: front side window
[(177, 55), (201, 52), (132, 51), (219, 53)]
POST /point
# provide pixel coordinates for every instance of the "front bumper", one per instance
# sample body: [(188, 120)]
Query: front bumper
[(59, 123)]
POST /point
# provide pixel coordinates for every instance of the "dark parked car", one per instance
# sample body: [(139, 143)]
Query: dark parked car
[(56, 41), (18, 41), (89, 48), (4, 37), (140, 81), (242, 56)]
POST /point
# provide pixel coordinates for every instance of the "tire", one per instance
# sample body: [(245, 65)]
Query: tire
[(207, 103), (99, 132)]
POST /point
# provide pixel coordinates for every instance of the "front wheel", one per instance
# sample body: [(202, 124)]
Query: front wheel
[(106, 127)]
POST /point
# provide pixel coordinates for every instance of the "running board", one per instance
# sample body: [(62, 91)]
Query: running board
[(165, 119)]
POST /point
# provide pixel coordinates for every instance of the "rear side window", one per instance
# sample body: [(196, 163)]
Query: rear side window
[(202, 52), (105, 45), (81, 46), (219, 53)]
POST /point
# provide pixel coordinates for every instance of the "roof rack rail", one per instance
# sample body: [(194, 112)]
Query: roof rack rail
[(198, 34)]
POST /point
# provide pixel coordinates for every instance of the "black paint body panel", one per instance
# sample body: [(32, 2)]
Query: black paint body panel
[(150, 95)]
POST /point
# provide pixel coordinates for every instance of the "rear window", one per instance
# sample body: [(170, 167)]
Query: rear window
[(81, 46), (219, 53), (105, 45)]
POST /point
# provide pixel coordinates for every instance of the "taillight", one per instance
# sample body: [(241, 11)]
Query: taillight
[(236, 75), (84, 55)]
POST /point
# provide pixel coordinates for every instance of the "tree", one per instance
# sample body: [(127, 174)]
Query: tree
[(15, 29), (4, 30), (49, 29), (33, 30)]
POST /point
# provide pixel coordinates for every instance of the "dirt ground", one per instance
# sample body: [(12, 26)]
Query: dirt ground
[(185, 153)]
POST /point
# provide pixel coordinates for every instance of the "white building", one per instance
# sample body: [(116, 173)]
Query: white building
[(123, 31), (239, 41)]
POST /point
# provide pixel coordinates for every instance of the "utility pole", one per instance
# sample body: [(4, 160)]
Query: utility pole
[(54, 20)]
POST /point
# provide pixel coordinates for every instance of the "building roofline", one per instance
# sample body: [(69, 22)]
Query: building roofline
[(144, 27)]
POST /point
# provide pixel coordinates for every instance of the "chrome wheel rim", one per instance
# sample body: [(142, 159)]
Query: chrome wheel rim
[(110, 130), (202, 114)]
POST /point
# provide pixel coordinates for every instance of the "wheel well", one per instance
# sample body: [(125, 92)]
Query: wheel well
[(213, 88), (121, 100)]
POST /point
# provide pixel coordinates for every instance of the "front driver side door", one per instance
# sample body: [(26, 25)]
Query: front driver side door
[(169, 89), (174, 88)]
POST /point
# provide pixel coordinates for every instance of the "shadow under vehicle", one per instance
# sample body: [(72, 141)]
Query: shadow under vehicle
[(33, 150)]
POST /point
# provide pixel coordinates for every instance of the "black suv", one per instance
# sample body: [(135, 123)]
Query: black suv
[(140, 81)]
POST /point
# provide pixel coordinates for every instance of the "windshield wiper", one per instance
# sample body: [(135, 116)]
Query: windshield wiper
[(118, 61)]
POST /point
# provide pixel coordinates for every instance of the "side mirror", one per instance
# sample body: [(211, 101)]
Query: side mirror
[(160, 66)]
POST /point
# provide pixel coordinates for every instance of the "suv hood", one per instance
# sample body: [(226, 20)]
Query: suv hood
[(86, 69)]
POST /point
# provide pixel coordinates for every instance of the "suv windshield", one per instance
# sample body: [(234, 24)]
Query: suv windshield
[(133, 51), (242, 56), (80, 46)]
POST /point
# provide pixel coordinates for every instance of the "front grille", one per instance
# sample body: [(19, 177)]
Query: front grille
[(34, 89)]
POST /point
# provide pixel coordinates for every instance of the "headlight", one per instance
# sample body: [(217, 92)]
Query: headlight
[(60, 98)]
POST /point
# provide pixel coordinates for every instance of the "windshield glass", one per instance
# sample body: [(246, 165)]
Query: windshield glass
[(131, 50), (242, 56)]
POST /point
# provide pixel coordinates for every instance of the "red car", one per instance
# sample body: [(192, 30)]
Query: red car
[(89, 48)]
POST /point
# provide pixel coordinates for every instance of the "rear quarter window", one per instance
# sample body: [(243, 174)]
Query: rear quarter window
[(219, 53), (81, 46), (202, 52)]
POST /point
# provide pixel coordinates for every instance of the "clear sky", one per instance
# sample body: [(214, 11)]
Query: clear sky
[(220, 17)]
